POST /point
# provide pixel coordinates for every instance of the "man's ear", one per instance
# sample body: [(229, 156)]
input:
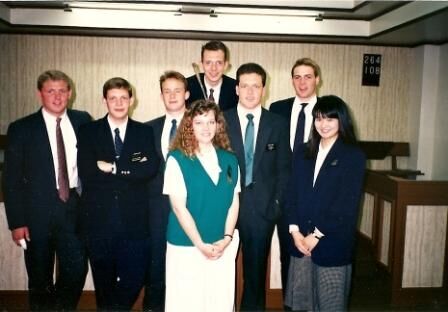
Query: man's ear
[(237, 90), (187, 95)]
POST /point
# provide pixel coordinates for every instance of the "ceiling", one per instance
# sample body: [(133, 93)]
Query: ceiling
[(394, 23)]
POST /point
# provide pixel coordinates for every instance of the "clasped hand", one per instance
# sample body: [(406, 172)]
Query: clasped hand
[(214, 251), (305, 244)]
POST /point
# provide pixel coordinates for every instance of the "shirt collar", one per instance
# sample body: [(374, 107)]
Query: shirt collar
[(113, 126), (242, 111), (49, 117)]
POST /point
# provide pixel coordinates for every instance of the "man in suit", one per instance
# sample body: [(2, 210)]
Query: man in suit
[(260, 141), (213, 85), (297, 110), (116, 157), (40, 179), (173, 88)]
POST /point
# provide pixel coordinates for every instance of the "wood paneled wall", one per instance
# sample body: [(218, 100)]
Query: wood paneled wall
[(381, 113)]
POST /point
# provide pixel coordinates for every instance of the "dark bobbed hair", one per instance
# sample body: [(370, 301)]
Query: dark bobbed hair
[(185, 139), (215, 45), (117, 83), (331, 106), (251, 68)]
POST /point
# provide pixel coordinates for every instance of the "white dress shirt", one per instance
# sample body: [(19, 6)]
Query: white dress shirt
[(216, 90), (121, 127), (164, 140), (69, 137), (296, 107), (242, 115)]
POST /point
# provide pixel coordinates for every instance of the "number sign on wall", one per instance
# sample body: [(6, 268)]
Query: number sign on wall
[(371, 70)]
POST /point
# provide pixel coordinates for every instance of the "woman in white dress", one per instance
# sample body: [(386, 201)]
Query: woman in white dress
[(202, 181)]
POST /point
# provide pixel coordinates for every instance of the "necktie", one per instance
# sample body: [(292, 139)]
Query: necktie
[(210, 97), (118, 143), (172, 130), (63, 189), (300, 129), (249, 148)]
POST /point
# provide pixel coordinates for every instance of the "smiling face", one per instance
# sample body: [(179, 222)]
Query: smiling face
[(204, 128), (305, 82), (118, 102), (250, 90), (54, 96), (214, 64), (174, 96), (328, 129)]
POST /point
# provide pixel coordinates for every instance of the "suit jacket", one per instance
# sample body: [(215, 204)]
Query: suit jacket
[(123, 197), (29, 182), (227, 96), (331, 205), (159, 204), (272, 158)]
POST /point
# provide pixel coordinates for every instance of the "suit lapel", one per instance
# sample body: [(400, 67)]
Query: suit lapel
[(158, 129), (105, 136), (236, 137), (331, 160), (264, 132), (41, 135)]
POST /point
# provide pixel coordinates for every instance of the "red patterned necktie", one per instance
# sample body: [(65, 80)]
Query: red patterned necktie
[(63, 189)]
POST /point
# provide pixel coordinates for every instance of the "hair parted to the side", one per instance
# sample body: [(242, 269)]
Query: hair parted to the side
[(215, 45), (117, 83), (53, 75), (307, 62), (185, 139), (172, 74), (331, 106)]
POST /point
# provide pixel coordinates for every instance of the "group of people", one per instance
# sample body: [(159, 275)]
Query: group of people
[(166, 205)]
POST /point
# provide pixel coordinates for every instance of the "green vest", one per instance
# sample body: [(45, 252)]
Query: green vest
[(207, 203)]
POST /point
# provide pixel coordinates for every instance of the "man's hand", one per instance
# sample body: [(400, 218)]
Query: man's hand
[(104, 166), (20, 233)]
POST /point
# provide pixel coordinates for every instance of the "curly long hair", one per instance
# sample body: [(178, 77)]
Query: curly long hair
[(185, 139)]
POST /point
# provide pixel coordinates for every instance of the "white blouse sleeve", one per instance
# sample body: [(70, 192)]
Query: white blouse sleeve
[(174, 183), (238, 184)]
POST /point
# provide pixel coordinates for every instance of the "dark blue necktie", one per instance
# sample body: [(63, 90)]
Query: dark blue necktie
[(172, 130), (300, 129), (249, 148), (118, 143)]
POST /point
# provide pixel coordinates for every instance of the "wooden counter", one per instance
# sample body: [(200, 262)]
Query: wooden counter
[(407, 223)]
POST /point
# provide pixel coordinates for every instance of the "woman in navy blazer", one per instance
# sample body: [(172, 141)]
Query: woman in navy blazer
[(322, 206)]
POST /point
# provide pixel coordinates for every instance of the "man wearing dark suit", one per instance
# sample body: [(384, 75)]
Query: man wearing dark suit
[(173, 88), (305, 75), (214, 84), (116, 157), (260, 141), (39, 183)]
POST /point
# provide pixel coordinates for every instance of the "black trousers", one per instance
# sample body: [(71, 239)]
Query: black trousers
[(256, 236), (284, 239), (154, 299), (63, 244), (118, 270)]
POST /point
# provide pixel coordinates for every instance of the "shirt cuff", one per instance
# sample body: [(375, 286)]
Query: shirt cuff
[(114, 168), (293, 228), (318, 233)]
